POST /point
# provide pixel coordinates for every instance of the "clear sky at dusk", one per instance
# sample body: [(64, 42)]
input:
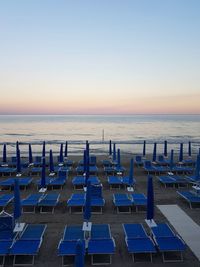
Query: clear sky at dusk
[(99, 56)]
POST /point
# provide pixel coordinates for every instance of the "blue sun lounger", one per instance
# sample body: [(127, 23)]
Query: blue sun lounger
[(173, 180), (79, 181), (76, 203), (101, 245), (137, 241), (138, 160), (30, 203), (48, 202), (139, 201), (125, 181), (168, 242), (93, 170), (191, 197), (7, 171), (122, 202), (162, 161), (67, 245), (6, 235), (115, 182), (5, 200), (27, 246), (9, 183), (59, 182)]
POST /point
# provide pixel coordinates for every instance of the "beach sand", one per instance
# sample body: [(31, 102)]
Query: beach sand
[(57, 221)]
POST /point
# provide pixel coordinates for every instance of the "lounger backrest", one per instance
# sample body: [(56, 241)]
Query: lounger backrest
[(138, 196), (147, 163), (6, 226), (100, 231), (93, 160), (73, 233), (160, 158), (138, 158), (62, 174), (135, 230), (162, 230), (33, 232), (96, 191)]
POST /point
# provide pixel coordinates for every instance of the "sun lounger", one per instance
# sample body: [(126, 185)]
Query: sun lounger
[(114, 182), (139, 200), (191, 197), (125, 181), (5, 200), (107, 163), (119, 169), (7, 171), (27, 246), (6, 235), (79, 181), (48, 202), (93, 170), (101, 245), (122, 202), (59, 182), (168, 242), (138, 160), (30, 203), (137, 241), (109, 170), (162, 161), (67, 245), (9, 183), (76, 203)]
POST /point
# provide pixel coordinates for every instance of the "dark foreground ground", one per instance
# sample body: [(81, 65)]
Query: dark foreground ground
[(57, 221)]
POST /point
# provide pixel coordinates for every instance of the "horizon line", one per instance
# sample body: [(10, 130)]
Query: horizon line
[(109, 114)]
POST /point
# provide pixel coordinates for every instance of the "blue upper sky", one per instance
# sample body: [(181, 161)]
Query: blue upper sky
[(79, 55)]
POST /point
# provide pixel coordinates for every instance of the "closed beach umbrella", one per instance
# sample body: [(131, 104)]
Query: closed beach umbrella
[(51, 165), (43, 149), (4, 154), (181, 152), (154, 152), (171, 162), (150, 199), (30, 156), (87, 209), (88, 149), (197, 168), (66, 149), (110, 148), (131, 173), (18, 161), (118, 158), (17, 201), (165, 148), (80, 255), (144, 149), (84, 160), (61, 159), (17, 146), (43, 174), (87, 169), (189, 149), (114, 152)]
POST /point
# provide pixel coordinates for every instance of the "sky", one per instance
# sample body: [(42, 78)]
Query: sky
[(100, 57)]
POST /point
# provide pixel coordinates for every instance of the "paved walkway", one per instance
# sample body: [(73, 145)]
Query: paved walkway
[(184, 225)]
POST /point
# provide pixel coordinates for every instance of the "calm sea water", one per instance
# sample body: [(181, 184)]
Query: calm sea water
[(78, 128)]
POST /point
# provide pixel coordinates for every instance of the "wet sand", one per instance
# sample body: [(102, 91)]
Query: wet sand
[(57, 221)]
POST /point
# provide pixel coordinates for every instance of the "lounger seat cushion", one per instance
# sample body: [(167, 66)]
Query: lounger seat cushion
[(68, 247), (101, 246), (5, 246), (170, 244), (140, 245), (25, 247)]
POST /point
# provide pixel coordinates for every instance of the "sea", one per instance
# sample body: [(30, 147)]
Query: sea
[(127, 131)]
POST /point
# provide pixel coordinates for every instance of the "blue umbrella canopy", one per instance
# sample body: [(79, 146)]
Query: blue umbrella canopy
[(87, 168), (43, 174), (144, 149), (118, 158), (43, 149), (4, 154), (197, 168), (114, 152), (110, 148), (87, 209), (17, 201), (18, 161), (150, 199), (181, 152), (154, 152), (66, 149), (80, 255), (189, 149), (165, 148), (61, 159), (131, 173), (17, 146), (51, 165), (30, 156), (84, 160)]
